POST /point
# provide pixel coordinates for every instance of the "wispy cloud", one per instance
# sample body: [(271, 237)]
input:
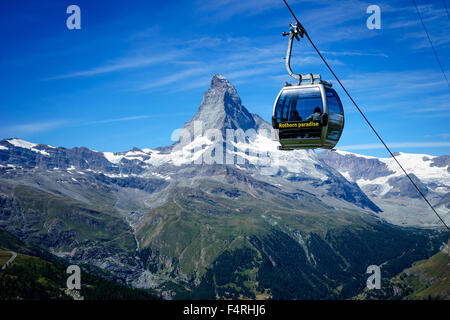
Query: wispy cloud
[(393, 90), (397, 145), (133, 118), (240, 60), (406, 17), (32, 128), (198, 82), (225, 9), (45, 126), (117, 120), (437, 108), (178, 76), (249, 72), (434, 17), (121, 64), (353, 53)]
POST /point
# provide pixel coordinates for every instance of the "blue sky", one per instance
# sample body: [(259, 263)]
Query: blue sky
[(137, 70)]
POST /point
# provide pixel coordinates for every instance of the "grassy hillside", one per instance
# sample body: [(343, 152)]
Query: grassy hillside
[(222, 243), (4, 257), (32, 277), (224, 237), (67, 219), (195, 226), (9, 242), (427, 279)]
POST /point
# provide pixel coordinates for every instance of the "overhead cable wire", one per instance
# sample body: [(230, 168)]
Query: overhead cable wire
[(431, 43), (365, 118), (446, 9)]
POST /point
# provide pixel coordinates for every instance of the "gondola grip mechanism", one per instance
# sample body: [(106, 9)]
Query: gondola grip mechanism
[(294, 32)]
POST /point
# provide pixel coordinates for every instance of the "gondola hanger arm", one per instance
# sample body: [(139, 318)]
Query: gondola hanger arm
[(296, 31)]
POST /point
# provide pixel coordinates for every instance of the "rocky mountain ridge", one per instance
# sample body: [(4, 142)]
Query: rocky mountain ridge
[(386, 185), (173, 218)]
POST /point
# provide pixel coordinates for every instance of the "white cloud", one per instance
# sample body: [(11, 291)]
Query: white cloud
[(117, 120), (133, 118), (121, 64), (397, 145), (175, 77), (32, 128), (226, 9), (43, 126), (353, 53), (411, 93)]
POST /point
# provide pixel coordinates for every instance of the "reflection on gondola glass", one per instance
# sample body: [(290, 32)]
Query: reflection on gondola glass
[(298, 105), (335, 115), (308, 116)]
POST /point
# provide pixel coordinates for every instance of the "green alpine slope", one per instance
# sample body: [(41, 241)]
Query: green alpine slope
[(200, 244), (427, 279), (34, 277)]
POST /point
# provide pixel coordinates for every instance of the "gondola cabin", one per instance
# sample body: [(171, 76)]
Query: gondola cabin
[(308, 116)]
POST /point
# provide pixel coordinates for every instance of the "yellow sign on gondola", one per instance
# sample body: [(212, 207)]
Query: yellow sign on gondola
[(309, 124)]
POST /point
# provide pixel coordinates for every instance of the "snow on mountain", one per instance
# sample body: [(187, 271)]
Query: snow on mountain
[(221, 108), (421, 165), (387, 186), (224, 132), (113, 157), (135, 154), (26, 145)]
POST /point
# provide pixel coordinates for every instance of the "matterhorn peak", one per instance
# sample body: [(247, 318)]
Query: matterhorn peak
[(220, 82), (221, 86), (221, 108)]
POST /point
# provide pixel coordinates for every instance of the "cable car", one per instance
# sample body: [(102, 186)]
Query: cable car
[(310, 114)]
